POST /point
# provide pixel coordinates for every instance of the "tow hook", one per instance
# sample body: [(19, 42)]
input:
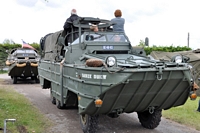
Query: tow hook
[(159, 73), (119, 111), (151, 110)]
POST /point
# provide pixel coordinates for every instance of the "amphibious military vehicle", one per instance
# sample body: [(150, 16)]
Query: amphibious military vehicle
[(23, 64), (103, 75)]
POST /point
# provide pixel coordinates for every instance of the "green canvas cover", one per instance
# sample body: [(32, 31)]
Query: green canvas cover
[(51, 47)]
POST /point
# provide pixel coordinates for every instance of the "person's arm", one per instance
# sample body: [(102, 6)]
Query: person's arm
[(67, 24)]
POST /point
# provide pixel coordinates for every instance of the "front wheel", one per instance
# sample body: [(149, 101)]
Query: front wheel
[(148, 120), (89, 123), (58, 104), (37, 80)]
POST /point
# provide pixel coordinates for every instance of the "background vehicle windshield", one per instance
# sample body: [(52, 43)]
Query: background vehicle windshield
[(24, 51)]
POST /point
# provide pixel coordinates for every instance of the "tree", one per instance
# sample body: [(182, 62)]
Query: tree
[(8, 41), (141, 43), (3, 57)]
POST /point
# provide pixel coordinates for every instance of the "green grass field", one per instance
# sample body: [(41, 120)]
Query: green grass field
[(15, 106), (185, 114)]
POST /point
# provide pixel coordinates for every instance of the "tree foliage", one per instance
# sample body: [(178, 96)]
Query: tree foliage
[(171, 48), (8, 41), (141, 43)]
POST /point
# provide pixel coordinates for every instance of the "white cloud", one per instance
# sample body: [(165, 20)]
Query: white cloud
[(164, 22), (29, 3)]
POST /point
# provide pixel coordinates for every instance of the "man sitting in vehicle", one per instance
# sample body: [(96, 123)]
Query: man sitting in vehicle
[(94, 28), (117, 38)]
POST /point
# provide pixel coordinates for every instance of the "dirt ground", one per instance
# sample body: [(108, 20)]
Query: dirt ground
[(67, 120)]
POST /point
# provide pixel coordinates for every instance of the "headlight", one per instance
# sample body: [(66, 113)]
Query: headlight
[(178, 59), (111, 61)]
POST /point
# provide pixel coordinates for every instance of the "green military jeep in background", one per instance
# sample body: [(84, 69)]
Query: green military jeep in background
[(102, 75)]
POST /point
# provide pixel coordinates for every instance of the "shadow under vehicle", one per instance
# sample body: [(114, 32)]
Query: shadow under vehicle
[(22, 64), (103, 77)]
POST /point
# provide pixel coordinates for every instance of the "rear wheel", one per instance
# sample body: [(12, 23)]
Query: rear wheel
[(148, 120), (53, 99), (14, 80), (89, 123)]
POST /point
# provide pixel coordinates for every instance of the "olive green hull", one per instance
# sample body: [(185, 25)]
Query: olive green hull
[(23, 71), (138, 96), (131, 90)]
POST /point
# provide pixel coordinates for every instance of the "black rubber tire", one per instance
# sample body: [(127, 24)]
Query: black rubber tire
[(14, 80), (37, 80), (148, 120), (53, 99), (89, 123), (58, 105)]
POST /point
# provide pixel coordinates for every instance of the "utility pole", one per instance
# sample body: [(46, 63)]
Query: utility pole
[(188, 39)]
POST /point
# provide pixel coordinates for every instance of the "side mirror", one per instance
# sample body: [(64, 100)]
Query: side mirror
[(146, 41)]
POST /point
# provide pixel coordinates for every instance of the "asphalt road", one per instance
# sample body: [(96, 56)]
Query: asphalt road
[(67, 120)]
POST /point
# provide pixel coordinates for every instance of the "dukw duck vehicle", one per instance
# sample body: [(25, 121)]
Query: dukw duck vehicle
[(102, 75), (22, 64)]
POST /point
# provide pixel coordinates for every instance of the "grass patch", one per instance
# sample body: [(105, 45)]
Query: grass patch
[(15, 106), (3, 71), (185, 114)]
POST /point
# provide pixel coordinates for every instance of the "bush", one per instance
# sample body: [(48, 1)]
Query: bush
[(148, 50)]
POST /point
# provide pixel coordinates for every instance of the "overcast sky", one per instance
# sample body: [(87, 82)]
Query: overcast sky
[(165, 22)]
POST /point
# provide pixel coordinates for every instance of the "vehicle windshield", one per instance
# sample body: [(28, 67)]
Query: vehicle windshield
[(106, 37), (116, 38), (21, 51), (101, 37), (77, 40)]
